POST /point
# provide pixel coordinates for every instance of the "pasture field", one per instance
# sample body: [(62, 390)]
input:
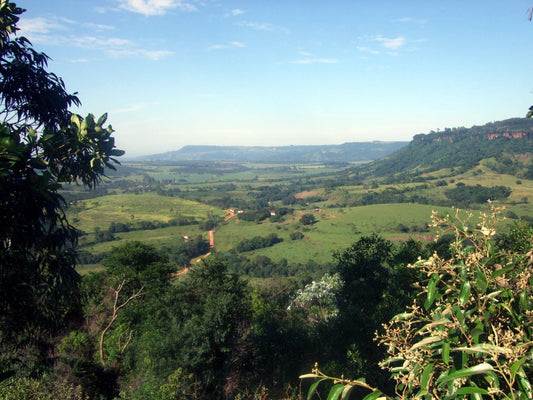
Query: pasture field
[(335, 229), (162, 237), (129, 208), (338, 222)]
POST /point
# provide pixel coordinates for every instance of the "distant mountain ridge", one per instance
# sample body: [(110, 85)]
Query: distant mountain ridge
[(346, 152)]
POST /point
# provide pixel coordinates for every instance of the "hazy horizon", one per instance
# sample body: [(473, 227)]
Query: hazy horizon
[(172, 73)]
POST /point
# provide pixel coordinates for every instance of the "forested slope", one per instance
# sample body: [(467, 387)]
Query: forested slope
[(506, 146)]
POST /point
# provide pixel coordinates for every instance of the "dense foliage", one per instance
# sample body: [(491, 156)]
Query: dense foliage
[(461, 149), (469, 330), (42, 145)]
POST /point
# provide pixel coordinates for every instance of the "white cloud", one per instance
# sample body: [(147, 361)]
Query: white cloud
[(32, 26), (262, 26), (155, 7), (226, 46), (99, 27), (366, 49), (413, 20), (316, 61), (236, 12), (92, 42), (391, 43)]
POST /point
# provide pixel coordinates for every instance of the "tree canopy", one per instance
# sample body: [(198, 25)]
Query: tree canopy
[(42, 145)]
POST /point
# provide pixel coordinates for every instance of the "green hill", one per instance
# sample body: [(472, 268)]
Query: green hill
[(505, 147)]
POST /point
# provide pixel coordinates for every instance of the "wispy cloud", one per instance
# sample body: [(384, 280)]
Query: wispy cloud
[(38, 26), (391, 43), (235, 12), (316, 61), (262, 26), (379, 44), (57, 31), (155, 7), (226, 46), (366, 49), (410, 20)]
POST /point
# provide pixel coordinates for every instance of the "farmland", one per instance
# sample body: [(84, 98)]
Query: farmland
[(150, 198)]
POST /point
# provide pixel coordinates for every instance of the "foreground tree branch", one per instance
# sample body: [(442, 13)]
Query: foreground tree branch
[(116, 308)]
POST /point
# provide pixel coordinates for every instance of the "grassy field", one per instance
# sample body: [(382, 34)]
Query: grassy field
[(163, 237), (336, 227), (129, 208)]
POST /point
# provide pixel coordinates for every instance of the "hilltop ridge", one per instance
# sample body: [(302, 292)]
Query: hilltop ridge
[(346, 152)]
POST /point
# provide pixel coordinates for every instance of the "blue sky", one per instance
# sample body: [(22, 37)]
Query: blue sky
[(278, 72)]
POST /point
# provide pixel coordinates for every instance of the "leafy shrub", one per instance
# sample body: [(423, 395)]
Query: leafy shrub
[(470, 330), (307, 219), (296, 236)]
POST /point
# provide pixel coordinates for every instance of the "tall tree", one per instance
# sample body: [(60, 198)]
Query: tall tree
[(42, 145)]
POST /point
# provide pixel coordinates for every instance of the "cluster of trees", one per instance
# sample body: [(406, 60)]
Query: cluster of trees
[(464, 195), (257, 242)]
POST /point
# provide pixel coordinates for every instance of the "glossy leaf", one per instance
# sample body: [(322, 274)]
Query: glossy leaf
[(515, 367), (465, 293), (481, 279), (372, 396), (313, 388), (346, 392), (432, 291), (462, 373), (426, 375), (471, 390), (446, 352), (336, 391)]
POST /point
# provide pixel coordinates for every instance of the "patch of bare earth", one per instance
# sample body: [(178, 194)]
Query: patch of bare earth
[(307, 193)]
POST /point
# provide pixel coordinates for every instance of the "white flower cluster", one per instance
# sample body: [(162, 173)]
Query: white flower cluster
[(318, 299)]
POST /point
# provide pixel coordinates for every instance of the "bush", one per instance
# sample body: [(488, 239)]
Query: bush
[(307, 219), (296, 236), (469, 332)]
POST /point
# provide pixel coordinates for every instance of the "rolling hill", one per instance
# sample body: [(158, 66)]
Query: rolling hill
[(504, 147)]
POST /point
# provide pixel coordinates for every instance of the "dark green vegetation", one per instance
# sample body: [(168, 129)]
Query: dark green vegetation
[(301, 262), (468, 332)]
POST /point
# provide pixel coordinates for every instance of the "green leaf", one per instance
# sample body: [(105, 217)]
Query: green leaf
[(425, 342), (500, 272), (515, 367), (524, 301), (446, 352), (336, 391), (312, 388), (401, 316), (432, 290), (481, 279), (465, 293), (102, 119), (32, 135), (524, 385), (426, 374), (372, 396), (346, 392), (471, 390), (462, 373)]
